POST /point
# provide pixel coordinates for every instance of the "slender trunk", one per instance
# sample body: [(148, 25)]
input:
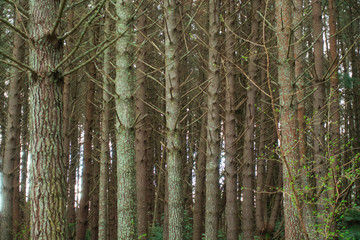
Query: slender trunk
[(74, 161), (334, 146), (300, 84), (198, 217), (47, 173), (142, 129), (11, 204), (247, 223), (319, 99), (83, 212), (125, 121), (105, 130), (213, 126), (231, 213), (95, 166), (112, 232)]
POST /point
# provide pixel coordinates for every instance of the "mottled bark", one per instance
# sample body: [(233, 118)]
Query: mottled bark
[(172, 116), (231, 211), (125, 121), (213, 126), (11, 161), (47, 168)]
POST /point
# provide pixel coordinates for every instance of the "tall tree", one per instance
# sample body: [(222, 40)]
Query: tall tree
[(105, 138), (47, 168), (142, 133), (213, 126), (83, 213), (231, 211), (11, 161), (287, 121), (247, 223), (125, 121), (172, 116)]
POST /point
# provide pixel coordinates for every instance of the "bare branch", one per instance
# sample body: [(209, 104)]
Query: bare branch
[(61, 10), (17, 62), (24, 35)]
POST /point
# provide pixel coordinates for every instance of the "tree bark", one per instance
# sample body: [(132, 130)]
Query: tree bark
[(248, 223), (231, 211), (293, 224), (213, 126), (105, 130), (319, 100), (198, 217), (172, 116), (83, 212), (47, 173), (335, 142), (125, 121), (11, 161), (142, 132)]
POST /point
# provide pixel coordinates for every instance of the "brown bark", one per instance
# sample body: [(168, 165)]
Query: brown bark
[(83, 212), (198, 217), (74, 160), (11, 162), (231, 213), (105, 138), (142, 132), (294, 225), (213, 126), (334, 108), (47, 173), (247, 223), (95, 168), (318, 105)]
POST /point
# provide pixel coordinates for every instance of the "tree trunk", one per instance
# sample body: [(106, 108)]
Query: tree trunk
[(125, 121), (231, 211), (213, 126), (319, 99), (334, 145), (142, 132), (198, 217), (47, 173), (105, 130), (11, 201), (172, 116), (293, 224), (247, 223), (83, 212)]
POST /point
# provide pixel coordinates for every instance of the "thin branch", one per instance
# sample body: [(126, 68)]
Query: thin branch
[(17, 62), (100, 4), (24, 35), (23, 11), (92, 58), (58, 19)]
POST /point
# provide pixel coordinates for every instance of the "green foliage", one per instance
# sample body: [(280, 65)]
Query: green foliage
[(156, 233), (347, 81), (349, 226)]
